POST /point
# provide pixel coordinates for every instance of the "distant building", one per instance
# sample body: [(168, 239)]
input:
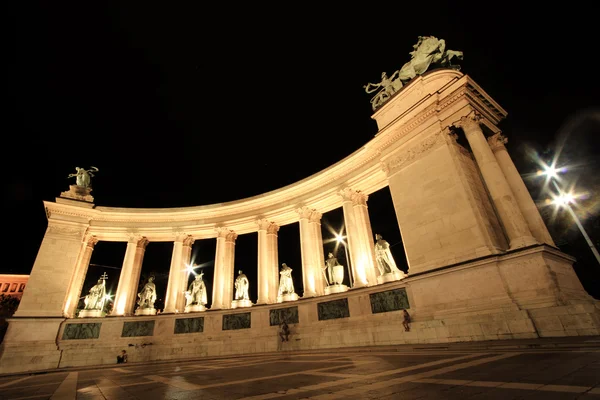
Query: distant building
[(13, 285)]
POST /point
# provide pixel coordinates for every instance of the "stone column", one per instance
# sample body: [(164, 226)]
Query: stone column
[(126, 295), (223, 274), (306, 250), (267, 262), (353, 239), (185, 258), (318, 252), (273, 262), (526, 204), (504, 201), (85, 255), (363, 228), (178, 274)]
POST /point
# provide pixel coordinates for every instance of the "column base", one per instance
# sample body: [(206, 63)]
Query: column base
[(195, 308), (287, 297), (390, 277), (145, 311), (90, 314), (336, 289), (241, 303)]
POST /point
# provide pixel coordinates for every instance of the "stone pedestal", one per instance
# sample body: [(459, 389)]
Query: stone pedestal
[(336, 289), (90, 313), (391, 276), (241, 303), (78, 193), (287, 297), (145, 311), (194, 308)]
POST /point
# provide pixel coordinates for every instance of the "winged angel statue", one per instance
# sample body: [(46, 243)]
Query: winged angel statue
[(428, 51)]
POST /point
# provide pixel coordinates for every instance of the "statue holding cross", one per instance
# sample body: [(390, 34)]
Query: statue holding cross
[(97, 296)]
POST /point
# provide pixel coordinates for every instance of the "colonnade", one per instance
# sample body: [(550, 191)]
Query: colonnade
[(516, 212), (359, 237)]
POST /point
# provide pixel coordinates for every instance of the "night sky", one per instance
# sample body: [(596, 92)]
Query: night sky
[(182, 105)]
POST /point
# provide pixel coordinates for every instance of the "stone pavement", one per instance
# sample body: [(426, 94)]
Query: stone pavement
[(564, 368)]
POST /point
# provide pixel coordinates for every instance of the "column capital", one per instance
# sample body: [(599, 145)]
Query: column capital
[(263, 224), (228, 234), (346, 194), (90, 241), (273, 228), (359, 198), (355, 196), (315, 216), (304, 212), (469, 121), (142, 243), (188, 241), (497, 142)]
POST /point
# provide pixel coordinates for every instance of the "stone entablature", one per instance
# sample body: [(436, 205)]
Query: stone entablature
[(441, 97)]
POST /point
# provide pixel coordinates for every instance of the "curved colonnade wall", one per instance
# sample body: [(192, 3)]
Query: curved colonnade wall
[(482, 264)]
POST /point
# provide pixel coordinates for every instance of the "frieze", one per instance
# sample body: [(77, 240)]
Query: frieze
[(189, 325), (81, 331), (418, 119), (390, 300), (289, 315), (333, 309), (411, 155), (138, 328), (65, 230), (237, 321)]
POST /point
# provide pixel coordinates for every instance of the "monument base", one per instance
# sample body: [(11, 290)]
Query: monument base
[(287, 297), (78, 193), (241, 303), (90, 313), (336, 289), (145, 311), (391, 276), (195, 308)]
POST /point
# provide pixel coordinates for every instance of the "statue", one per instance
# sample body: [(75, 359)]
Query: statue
[(388, 87), (196, 293), (335, 271), (428, 51), (241, 287), (147, 296), (83, 176), (286, 283), (96, 298), (383, 255)]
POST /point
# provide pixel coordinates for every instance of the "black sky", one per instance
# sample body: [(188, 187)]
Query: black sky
[(184, 105)]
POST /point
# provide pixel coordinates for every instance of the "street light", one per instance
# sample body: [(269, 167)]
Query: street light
[(564, 200), (340, 239)]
